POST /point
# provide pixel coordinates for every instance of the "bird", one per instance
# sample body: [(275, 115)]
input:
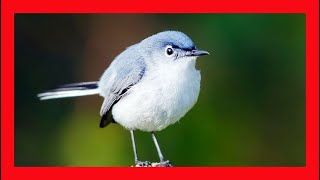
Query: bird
[(147, 87)]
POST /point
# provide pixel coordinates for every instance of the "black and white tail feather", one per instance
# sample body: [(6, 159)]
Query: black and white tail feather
[(71, 90), (79, 89)]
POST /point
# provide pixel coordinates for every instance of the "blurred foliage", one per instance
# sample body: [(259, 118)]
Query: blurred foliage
[(250, 112)]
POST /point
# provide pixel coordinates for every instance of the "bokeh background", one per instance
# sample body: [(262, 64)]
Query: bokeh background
[(250, 112)]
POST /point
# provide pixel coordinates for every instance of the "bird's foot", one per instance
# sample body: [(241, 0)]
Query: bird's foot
[(143, 164), (166, 163)]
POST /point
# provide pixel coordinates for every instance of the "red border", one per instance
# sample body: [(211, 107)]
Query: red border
[(310, 8)]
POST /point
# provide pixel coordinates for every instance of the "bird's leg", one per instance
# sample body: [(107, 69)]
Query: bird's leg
[(136, 160), (163, 162), (134, 146)]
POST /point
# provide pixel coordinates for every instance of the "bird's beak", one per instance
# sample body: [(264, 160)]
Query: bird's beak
[(197, 53)]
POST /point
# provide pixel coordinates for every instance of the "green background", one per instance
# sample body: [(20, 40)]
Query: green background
[(250, 112)]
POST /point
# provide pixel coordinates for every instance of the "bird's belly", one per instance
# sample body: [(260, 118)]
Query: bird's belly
[(155, 103)]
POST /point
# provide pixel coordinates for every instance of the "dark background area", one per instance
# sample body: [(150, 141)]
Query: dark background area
[(250, 112)]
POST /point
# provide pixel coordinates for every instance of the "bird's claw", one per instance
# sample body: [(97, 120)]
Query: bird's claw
[(143, 163), (156, 164), (166, 163)]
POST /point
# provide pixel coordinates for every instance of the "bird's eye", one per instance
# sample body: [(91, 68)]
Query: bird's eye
[(169, 51)]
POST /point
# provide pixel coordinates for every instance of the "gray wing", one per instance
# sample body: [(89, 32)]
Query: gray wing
[(123, 73)]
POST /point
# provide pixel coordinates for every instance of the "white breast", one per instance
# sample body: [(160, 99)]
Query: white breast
[(163, 96)]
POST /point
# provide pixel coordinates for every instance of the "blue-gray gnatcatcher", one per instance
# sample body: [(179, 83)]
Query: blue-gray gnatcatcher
[(147, 87)]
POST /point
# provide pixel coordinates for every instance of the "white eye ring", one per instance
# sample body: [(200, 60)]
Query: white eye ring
[(169, 51)]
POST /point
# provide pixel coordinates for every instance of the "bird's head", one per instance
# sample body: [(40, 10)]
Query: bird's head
[(170, 46)]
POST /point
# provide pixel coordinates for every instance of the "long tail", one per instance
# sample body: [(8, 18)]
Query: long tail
[(71, 90)]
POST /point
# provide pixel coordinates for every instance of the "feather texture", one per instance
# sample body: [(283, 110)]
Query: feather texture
[(71, 90)]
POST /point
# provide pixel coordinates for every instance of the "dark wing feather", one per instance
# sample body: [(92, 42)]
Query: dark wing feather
[(106, 119)]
